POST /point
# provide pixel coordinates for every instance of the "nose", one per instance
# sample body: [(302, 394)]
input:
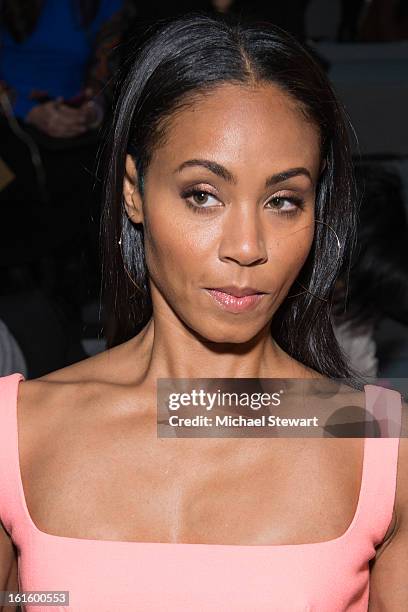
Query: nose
[(242, 238)]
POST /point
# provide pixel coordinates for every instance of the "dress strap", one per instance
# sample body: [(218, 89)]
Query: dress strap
[(380, 463), (10, 501)]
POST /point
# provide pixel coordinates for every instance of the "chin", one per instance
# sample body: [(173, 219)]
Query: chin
[(224, 334)]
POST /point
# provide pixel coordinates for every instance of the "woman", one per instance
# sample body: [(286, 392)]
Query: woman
[(226, 145)]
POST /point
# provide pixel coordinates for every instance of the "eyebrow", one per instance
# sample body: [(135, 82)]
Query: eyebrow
[(225, 174)]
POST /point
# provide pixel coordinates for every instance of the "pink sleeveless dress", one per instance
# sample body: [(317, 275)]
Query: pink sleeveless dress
[(118, 576)]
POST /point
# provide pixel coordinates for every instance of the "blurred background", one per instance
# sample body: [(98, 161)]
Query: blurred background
[(58, 61)]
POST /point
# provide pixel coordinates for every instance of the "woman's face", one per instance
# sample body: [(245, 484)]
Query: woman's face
[(228, 201)]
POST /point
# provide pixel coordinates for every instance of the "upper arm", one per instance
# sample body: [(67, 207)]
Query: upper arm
[(8, 566), (389, 573)]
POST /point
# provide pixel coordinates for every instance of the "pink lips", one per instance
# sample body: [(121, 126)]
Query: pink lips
[(233, 303)]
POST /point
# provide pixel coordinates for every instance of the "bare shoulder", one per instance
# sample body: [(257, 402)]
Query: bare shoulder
[(399, 519), (401, 501), (47, 403), (110, 366)]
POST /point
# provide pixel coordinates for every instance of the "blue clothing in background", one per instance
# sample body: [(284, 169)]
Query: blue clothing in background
[(54, 57)]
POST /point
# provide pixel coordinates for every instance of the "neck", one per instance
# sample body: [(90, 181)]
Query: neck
[(173, 351)]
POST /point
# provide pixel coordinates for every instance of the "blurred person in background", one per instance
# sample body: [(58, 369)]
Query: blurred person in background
[(378, 278), (54, 59), (55, 69), (56, 66)]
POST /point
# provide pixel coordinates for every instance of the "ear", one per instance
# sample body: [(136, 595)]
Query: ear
[(132, 199)]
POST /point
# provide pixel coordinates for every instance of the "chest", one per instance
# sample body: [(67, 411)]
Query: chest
[(124, 483)]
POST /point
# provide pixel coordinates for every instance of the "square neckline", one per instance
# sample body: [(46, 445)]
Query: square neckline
[(122, 543)]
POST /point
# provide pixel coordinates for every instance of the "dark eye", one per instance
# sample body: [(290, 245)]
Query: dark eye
[(285, 204), (199, 200), (200, 197)]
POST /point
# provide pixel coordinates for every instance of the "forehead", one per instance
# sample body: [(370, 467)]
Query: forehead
[(246, 125)]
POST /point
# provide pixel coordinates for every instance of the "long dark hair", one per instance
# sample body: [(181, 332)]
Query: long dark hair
[(196, 53), (20, 17)]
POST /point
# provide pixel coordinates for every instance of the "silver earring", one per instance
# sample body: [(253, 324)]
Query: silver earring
[(338, 257), (124, 265)]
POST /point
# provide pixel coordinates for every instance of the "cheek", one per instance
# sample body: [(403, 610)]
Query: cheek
[(288, 255), (175, 248)]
